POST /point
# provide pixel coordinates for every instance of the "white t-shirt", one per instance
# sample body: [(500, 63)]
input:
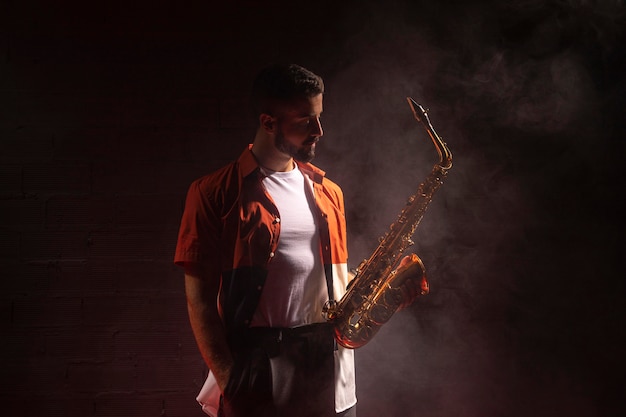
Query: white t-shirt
[(295, 290)]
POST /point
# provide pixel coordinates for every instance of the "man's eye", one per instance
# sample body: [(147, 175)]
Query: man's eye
[(306, 123)]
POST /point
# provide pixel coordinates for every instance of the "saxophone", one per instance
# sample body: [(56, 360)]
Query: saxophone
[(374, 294)]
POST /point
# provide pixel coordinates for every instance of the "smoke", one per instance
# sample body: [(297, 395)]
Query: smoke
[(517, 90)]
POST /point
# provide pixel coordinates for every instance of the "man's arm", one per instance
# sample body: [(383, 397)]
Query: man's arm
[(202, 288)]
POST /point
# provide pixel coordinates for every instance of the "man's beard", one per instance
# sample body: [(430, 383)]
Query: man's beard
[(301, 154)]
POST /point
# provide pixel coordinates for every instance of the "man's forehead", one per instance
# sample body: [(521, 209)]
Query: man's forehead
[(304, 106)]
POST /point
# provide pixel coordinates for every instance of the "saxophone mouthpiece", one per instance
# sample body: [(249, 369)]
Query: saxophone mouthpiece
[(418, 110)]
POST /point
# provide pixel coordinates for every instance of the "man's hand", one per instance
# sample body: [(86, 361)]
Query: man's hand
[(414, 283)]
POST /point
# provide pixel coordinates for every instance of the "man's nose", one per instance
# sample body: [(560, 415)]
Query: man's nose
[(317, 127)]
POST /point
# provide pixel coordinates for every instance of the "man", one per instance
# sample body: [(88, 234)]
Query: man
[(263, 245)]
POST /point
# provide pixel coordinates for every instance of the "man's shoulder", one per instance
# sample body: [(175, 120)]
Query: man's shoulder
[(327, 182), (216, 180), (216, 191)]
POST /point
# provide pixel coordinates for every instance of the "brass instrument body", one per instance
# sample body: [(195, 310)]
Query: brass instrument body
[(374, 295)]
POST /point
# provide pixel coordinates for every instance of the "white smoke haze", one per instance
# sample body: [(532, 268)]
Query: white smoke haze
[(513, 91)]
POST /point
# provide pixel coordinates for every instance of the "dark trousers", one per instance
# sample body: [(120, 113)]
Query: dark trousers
[(282, 372)]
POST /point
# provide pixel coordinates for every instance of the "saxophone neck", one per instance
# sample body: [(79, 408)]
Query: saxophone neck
[(421, 115)]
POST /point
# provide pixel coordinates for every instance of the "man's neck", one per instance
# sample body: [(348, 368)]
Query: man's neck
[(269, 157)]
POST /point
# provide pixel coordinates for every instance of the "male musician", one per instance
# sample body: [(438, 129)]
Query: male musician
[(263, 245)]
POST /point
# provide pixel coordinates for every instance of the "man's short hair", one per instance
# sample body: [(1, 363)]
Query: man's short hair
[(281, 83)]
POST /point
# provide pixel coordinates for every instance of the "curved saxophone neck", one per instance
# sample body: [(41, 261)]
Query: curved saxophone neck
[(421, 115)]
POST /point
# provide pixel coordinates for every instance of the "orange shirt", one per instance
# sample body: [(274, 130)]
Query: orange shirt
[(230, 219)]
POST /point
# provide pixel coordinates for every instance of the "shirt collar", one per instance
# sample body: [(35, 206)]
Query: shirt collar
[(316, 174), (247, 162)]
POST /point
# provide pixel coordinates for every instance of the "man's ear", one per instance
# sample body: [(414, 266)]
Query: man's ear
[(267, 123)]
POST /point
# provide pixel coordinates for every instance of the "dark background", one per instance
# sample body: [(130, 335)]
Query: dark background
[(109, 110)]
